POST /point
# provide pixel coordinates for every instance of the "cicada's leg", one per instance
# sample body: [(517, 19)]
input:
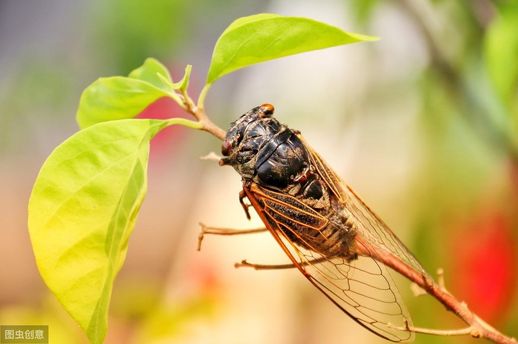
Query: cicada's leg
[(224, 231), (245, 264), (242, 196)]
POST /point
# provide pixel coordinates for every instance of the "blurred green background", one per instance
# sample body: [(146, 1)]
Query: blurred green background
[(423, 124)]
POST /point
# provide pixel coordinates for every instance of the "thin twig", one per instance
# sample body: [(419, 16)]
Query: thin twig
[(199, 114), (211, 156), (456, 332)]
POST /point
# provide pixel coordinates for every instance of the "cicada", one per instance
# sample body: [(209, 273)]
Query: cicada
[(330, 235)]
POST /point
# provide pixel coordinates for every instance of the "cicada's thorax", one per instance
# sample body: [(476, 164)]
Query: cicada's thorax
[(268, 153)]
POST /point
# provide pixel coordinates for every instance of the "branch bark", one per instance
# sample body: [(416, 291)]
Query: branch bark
[(477, 328), (199, 113)]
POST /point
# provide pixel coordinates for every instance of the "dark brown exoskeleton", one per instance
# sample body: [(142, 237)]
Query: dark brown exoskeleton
[(270, 155), (326, 230)]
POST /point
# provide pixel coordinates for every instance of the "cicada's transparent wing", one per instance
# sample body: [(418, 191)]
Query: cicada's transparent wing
[(373, 229), (369, 225), (362, 288)]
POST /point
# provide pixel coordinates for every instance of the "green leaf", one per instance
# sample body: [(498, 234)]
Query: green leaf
[(115, 98), (120, 97), (501, 52), (155, 73), (262, 37), (184, 83), (82, 211)]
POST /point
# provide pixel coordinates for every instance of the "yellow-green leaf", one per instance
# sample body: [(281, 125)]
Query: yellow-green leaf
[(155, 73), (82, 211), (262, 37), (118, 97)]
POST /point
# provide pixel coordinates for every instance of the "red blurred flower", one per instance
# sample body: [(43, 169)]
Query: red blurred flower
[(484, 265), (164, 144)]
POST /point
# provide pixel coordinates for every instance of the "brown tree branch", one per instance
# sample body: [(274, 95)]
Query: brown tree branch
[(477, 327), (199, 113)]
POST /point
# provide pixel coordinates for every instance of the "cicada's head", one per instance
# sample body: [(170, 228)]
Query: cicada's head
[(246, 136)]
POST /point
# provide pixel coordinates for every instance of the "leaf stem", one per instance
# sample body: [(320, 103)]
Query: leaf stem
[(203, 95), (199, 113), (181, 97), (184, 122)]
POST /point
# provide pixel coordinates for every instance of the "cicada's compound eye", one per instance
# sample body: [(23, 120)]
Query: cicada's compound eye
[(226, 147), (231, 141)]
